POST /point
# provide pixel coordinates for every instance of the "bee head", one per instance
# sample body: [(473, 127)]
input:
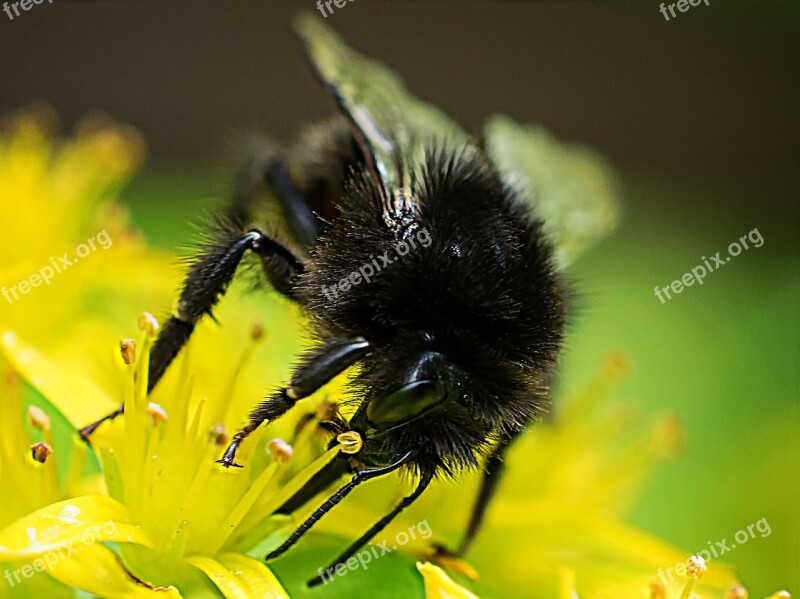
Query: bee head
[(421, 403), (417, 392)]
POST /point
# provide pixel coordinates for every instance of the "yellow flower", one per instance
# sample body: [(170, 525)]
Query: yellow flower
[(56, 199), (438, 585), (156, 517), (173, 512), (71, 269)]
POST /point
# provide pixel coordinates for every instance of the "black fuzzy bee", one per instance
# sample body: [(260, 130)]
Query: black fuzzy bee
[(431, 260)]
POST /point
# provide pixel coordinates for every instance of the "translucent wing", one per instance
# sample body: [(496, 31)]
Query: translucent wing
[(572, 189), (394, 126)]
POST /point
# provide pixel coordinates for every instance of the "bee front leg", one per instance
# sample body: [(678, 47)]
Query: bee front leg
[(207, 280), (316, 370)]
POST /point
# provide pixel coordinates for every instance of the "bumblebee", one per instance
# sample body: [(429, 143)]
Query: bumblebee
[(454, 342)]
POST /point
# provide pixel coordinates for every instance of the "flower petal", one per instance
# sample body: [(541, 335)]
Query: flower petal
[(74, 524), (78, 398), (439, 585), (240, 577), (99, 571)]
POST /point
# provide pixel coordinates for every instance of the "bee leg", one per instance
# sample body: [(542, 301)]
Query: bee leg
[(207, 279), (321, 160), (304, 226), (87, 431), (312, 373), (332, 472), (248, 183), (491, 478), (266, 169), (376, 528), (359, 477)]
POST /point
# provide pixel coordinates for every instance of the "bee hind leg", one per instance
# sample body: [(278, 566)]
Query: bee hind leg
[(265, 177), (491, 478)]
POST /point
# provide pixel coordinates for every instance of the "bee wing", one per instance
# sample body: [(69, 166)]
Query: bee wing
[(392, 125), (572, 190)]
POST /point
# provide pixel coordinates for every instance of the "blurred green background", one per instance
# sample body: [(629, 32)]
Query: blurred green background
[(699, 114)]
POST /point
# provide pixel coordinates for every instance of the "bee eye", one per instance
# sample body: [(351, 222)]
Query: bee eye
[(405, 404)]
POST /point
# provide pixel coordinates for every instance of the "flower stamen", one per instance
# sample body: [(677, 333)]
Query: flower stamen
[(148, 324), (280, 451), (157, 413), (127, 348), (657, 591), (41, 451), (737, 592), (38, 419), (695, 567), (218, 435)]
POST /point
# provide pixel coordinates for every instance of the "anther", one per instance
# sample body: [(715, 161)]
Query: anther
[(38, 419), (257, 332), (41, 451), (737, 592), (696, 567), (157, 413), (218, 435), (148, 324), (657, 591), (280, 450), (127, 347)]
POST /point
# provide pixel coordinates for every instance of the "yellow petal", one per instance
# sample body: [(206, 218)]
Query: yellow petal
[(69, 527), (566, 587), (439, 585), (98, 570), (77, 397), (240, 577)]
